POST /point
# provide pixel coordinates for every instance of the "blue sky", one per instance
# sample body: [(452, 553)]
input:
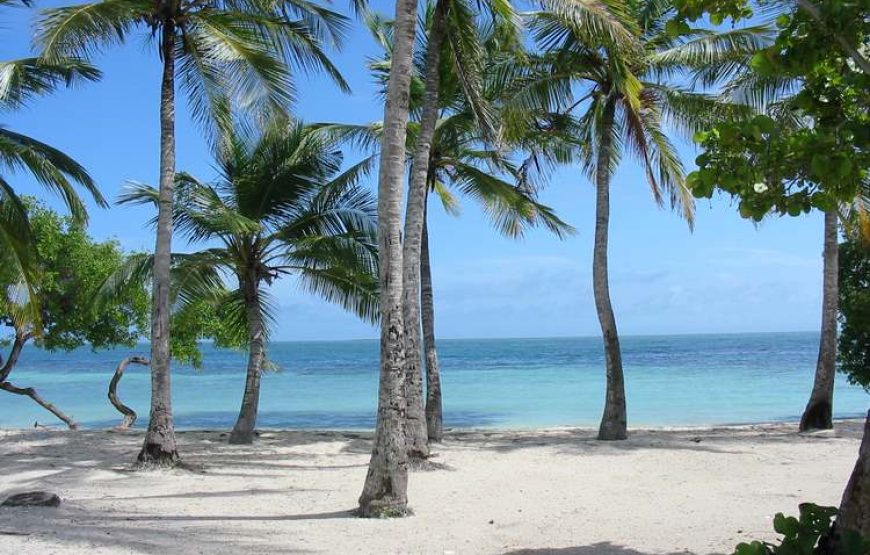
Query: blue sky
[(726, 276)]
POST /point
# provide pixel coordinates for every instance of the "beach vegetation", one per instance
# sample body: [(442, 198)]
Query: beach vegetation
[(810, 533), (69, 268), (820, 162), (854, 341), (281, 206)]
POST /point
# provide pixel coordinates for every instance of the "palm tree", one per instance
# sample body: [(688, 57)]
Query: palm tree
[(619, 94), (21, 81), (461, 158), (216, 50), (385, 492), (279, 207), (453, 47)]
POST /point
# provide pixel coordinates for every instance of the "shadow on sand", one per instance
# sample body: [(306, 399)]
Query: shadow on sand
[(600, 548)]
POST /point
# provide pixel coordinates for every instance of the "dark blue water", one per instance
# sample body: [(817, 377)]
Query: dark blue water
[(509, 383)]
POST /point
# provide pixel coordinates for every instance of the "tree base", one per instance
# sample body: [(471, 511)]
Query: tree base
[(434, 426), (612, 432), (383, 508), (241, 438), (817, 416), (153, 456), (417, 455)]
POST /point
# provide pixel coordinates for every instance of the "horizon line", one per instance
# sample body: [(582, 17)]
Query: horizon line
[(542, 337)]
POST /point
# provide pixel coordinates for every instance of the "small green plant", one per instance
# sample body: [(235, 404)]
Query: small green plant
[(809, 534)]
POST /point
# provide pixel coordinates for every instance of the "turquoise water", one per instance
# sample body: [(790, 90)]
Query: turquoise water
[(507, 383)]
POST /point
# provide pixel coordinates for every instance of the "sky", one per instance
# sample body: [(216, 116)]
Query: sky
[(726, 276)]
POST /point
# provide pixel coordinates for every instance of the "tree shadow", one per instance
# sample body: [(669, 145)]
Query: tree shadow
[(329, 515), (216, 494), (725, 440), (152, 535), (599, 548)]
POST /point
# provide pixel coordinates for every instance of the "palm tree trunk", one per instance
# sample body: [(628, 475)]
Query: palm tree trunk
[(854, 514), (243, 431), (159, 448), (434, 418), (818, 414), (613, 422), (385, 492), (416, 435)]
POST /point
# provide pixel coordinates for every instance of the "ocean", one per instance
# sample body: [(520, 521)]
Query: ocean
[(679, 380)]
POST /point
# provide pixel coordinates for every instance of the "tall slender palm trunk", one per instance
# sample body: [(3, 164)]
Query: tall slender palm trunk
[(416, 433), (614, 420), (159, 447), (243, 431), (818, 414), (434, 414), (385, 492)]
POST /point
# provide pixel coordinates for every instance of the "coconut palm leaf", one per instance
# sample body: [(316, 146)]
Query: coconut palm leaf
[(50, 167), (23, 79)]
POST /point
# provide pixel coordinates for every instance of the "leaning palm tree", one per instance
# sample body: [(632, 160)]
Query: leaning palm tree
[(617, 96), (217, 50), (280, 207)]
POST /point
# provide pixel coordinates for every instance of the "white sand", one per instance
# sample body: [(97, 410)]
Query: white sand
[(557, 491)]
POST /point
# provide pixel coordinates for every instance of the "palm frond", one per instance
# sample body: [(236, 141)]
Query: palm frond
[(50, 167), (83, 30), (23, 79)]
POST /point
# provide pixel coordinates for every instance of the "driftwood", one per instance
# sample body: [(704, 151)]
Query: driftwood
[(129, 414)]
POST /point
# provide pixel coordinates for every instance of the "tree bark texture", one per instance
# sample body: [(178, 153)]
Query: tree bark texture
[(416, 433), (614, 420), (385, 492), (159, 447), (819, 412)]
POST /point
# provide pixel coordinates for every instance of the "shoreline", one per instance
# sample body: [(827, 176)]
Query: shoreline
[(769, 424)]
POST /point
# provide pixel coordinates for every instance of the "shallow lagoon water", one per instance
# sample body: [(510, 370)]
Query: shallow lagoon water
[(687, 380)]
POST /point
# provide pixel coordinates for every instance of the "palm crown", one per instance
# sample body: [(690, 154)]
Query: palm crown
[(629, 90), (463, 156), (226, 50), (281, 206)]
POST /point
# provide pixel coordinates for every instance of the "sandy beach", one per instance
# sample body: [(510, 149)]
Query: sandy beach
[(695, 491)]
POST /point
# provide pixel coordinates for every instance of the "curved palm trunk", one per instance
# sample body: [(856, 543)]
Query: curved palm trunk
[(159, 448), (818, 414), (385, 492), (129, 414), (416, 434), (613, 422), (434, 417), (243, 431), (854, 512)]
